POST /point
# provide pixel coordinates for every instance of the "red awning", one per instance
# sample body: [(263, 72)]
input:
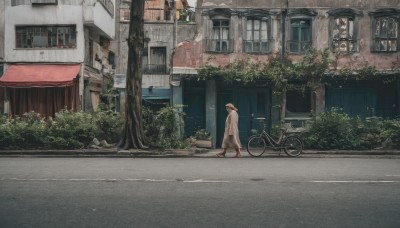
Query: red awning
[(39, 75)]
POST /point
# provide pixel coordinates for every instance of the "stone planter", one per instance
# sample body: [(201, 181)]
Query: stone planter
[(206, 143)]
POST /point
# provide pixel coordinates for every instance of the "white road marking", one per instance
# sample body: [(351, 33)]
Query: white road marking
[(358, 181), (114, 180), (179, 180), (206, 181)]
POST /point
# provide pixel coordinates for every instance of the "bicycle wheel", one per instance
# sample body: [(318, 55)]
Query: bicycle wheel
[(293, 146), (256, 146)]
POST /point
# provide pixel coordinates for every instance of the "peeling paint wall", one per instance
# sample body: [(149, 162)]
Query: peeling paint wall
[(193, 55)]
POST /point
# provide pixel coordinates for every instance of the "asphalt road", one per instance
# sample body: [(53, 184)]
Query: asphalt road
[(195, 192)]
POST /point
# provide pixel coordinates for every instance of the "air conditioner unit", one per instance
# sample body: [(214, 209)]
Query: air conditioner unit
[(44, 2)]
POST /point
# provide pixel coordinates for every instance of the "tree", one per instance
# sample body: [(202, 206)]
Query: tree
[(133, 133)]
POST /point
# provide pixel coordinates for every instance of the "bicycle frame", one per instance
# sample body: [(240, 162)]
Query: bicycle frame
[(275, 144)]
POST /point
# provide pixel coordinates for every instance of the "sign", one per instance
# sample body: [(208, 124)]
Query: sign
[(120, 81)]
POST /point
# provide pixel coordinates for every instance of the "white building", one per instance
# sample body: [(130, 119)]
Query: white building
[(56, 54)]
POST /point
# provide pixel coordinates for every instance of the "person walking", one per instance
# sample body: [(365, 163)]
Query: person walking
[(231, 134)]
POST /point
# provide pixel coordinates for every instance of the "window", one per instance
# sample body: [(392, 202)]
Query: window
[(157, 61), (343, 35), (45, 37), (343, 30), (385, 30), (125, 15), (217, 30), (298, 31), (220, 36), (385, 34), (298, 102), (256, 40), (300, 35)]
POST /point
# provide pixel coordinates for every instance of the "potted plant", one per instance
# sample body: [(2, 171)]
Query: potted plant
[(203, 139)]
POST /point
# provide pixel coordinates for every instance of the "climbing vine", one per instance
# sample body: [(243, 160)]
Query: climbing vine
[(314, 69)]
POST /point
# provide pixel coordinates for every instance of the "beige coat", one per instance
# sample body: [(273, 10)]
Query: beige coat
[(231, 134)]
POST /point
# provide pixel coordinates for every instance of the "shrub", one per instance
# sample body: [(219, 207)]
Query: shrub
[(202, 134), (163, 129), (332, 130), (70, 130), (109, 124), (389, 133), (27, 131)]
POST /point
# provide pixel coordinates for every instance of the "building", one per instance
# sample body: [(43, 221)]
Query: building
[(357, 34), (2, 24), (56, 54), (162, 32)]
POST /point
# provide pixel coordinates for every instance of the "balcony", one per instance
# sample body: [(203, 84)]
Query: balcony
[(157, 14), (261, 46), (300, 47), (99, 15), (219, 45), (155, 69)]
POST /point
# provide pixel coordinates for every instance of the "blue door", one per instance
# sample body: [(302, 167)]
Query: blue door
[(363, 98), (251, 102), (194, 107)]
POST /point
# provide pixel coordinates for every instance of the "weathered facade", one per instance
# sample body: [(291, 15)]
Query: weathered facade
[(162, 32), (357, 34), (56, 54)]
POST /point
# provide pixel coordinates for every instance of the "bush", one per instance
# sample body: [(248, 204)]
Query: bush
[(70, 130), (332, 130), (109, 124), (202, 134), (163, 129), (389, 133), (27, 131)]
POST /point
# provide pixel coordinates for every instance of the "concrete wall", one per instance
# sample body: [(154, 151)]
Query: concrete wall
[(29, 15), (186, 31), (95, 15)]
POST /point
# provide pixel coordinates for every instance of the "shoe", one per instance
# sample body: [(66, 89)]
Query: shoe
[(238, 156), (220, 155)]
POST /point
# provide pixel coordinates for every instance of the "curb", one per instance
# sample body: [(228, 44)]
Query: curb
[(179, 153)]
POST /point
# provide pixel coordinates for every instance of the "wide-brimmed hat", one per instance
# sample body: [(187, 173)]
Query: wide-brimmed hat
[(231, 106)]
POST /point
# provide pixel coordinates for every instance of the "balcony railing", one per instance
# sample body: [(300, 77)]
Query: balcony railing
[(155, 69), (261, 46), (154, 14), (299, 46), (219, 45)]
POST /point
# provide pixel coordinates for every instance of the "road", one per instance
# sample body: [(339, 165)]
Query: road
[(199, 192)]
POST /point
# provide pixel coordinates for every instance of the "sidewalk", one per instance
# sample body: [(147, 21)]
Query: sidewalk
[(192, 152)]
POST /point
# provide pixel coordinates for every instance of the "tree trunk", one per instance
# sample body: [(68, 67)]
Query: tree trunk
[(133, 134)]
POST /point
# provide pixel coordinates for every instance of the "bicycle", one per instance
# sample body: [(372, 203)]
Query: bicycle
[(258, 143)]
